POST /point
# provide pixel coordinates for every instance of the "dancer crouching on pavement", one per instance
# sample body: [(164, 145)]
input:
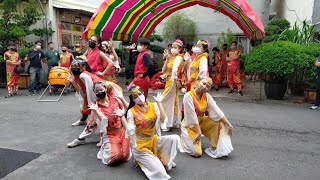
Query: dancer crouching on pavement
[(109, 115), (84, 87), (154, 153), (203, 116)]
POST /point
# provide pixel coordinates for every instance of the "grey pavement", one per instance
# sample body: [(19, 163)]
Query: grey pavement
[(272, 140)]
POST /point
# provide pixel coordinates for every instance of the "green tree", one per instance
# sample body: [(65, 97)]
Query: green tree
[(179, 26), (226, 38), (15, 24)]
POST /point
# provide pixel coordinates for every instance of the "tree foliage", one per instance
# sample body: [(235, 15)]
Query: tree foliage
[(179, 26), (225, 38), (15, 24), (305, 34)]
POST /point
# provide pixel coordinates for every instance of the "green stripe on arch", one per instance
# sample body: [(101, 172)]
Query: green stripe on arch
[(106, 16), (126, 16), (142, 16), (150, 23)]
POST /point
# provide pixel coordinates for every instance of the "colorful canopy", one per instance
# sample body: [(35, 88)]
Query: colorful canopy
[(129, 20)]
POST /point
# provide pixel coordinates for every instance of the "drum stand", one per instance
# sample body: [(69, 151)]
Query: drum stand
[(50, 91)]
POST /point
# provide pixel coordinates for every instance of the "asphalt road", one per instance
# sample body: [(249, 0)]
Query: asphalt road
[(272, 140)]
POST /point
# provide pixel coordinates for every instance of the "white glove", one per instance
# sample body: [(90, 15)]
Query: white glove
[(158, 98), (163, 76), (183, 90)]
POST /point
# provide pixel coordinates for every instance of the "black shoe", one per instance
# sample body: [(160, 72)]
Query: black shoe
[(84, 118), (8, 96), (231, 92), (127, 83), (217, 89), (240, 93)]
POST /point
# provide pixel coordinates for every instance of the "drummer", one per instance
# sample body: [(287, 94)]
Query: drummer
[(66, 58)]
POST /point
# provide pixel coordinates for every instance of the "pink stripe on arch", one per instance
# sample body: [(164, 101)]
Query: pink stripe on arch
[(117, 17), (101, 7), (148, 18)]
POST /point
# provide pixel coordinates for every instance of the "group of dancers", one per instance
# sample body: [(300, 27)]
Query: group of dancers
[(134, 128)]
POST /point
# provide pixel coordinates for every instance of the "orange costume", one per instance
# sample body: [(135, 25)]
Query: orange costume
[(66, 59), (12, 76), (115, 145), (218, 69), (234, 69)]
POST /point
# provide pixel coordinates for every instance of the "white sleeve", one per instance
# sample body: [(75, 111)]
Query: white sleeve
[(131, 127), (116, 64), (176, 64), (190, 115), (215, 112), (158, 122), (203, 68)]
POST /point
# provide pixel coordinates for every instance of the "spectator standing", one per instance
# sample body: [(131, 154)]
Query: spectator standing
[(317, 103), (52, 56), (35, 56)]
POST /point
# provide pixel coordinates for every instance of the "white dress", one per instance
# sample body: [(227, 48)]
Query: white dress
[(150, 163)]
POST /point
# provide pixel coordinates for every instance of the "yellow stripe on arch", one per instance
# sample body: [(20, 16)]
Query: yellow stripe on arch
[(126, 38), (127, 20), (98, 19)]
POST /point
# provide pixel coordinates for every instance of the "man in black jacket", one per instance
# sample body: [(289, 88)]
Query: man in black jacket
[(35, 56)]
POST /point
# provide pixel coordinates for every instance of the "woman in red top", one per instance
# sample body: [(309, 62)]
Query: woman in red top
[(96, 59), (109, 113)]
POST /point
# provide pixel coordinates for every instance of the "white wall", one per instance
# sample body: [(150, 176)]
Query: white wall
[(293, 10), (211, 23)]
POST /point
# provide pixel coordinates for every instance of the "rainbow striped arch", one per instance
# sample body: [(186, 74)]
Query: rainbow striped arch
[(129, 20)]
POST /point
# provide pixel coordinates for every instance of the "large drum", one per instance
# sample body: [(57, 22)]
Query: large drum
[(57, 76)]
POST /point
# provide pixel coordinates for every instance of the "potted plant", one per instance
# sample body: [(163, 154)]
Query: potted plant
[(276, 59)]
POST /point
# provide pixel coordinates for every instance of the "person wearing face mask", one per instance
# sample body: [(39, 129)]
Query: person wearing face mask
[(172, 69), (77, 50), (35, 56), (86, 96), (203, 116), (97, 60), (154, 153), (12, 61), (52, 56), (233, 59), (199, 67), (66, 58), (144, 65), (109, 117), (108, 49)]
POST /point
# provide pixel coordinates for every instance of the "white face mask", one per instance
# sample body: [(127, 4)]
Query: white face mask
[(38, 47), (140, 100), (139, 48), (196, 50), (174, 51)]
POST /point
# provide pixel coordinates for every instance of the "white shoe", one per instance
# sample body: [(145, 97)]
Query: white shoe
[(99, 144), (78, 123), (166, 129), (314, 107), (75, 143), (174, 165)]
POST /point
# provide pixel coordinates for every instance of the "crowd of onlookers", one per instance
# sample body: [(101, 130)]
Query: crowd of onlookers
[(34, 61)]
